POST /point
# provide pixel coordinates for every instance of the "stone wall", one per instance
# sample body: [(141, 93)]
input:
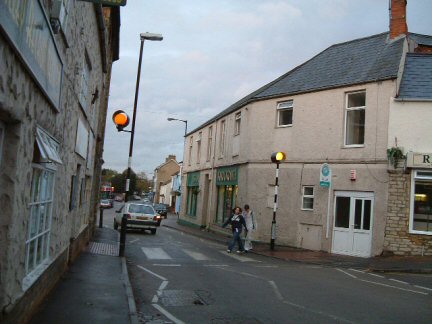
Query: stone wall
[(398, 240), (23, 107)]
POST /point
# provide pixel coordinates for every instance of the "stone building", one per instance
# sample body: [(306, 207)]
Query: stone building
[(409, 221), (330, 116), (55, 70), (162, 179)]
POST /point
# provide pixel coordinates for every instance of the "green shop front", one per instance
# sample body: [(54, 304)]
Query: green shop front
[(192, 193), (227, 191)]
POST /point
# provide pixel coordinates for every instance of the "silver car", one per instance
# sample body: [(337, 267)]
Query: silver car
[(139, 216)]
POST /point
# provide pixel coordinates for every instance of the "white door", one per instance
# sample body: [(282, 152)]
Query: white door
[(352, 232)]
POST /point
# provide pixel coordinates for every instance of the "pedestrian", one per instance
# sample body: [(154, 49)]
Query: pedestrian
[(237, 222), (249, 217)]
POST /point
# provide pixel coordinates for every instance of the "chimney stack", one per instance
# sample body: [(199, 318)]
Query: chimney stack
[(398, 25), (170, 157)]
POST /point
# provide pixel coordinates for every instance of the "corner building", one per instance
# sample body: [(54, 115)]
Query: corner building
[(332, 109)]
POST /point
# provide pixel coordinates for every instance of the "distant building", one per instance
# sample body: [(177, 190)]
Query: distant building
[(162, 179), (342, 107), (55, 71)]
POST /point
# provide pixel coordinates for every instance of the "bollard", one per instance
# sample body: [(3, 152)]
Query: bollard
[(100, 217), (123, 235)]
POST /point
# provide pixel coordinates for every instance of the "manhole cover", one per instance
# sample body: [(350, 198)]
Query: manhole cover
[(103, 248), (180, 298)]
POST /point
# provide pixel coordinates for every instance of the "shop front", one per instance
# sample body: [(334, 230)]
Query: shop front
[(227, 191), (421, 193), (409, 220), (193, 190)]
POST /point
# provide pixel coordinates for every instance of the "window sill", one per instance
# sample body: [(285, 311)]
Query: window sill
[(353, 146), (31, 278), (419, 232), (284, 126), (306, 209)]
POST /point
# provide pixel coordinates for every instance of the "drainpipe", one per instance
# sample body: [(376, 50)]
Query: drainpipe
[(102, 42)]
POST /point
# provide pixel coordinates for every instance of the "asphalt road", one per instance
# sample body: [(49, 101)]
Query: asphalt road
[(179, 278)]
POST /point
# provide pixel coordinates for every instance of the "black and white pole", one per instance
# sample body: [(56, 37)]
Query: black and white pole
[(276, 157), (275, 204)]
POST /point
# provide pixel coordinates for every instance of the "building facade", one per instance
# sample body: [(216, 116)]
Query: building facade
[(55, 68), (330, 113), (162, 179)]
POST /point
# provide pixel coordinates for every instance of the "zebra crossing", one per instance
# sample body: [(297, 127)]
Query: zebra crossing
[(160, 254)]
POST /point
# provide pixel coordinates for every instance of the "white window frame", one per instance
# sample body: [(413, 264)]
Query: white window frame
[(349, 109), (85, 83), (209, 143), (40, 197), (307, 196), (199, 147), (237, 124), (190, 150), (419, 175), (222, 139), (282, 107)]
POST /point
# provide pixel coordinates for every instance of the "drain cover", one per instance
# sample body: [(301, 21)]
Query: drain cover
[(103, 248), (180, 298)]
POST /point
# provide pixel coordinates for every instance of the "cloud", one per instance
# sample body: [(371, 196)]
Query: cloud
[(216, 52)]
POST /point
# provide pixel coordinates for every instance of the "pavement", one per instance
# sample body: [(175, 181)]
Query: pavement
[(96, 287)]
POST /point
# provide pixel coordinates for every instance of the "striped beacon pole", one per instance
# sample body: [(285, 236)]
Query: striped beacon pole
[(276, 157)]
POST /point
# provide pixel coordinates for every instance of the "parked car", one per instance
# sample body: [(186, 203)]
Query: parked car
[(139, 216), (118, 198), (106, 203), (161, 209)]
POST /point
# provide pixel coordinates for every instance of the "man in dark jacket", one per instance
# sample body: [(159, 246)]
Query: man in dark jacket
[(237, 221)]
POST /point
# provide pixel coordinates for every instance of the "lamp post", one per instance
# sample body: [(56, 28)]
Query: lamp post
[(276, 157), (118, 117), (184, 142), (184, 121)]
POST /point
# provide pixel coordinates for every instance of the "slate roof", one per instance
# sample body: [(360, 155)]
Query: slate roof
[(417, 77), (359, 61)]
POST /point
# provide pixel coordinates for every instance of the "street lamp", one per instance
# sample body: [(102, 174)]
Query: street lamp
[(276, 157), (184, 143), (184, 121), (118, 117)]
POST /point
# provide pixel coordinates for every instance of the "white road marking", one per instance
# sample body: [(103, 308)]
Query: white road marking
[(347, 273), (421, 287), (163, 285), (152, 273), (375, 275), (155, 253), (215, 265), (240, 257), (133, 241), (276, 290), (168, 314), (400, 281), (196, 255), (390, 286), (166, 265), (356, 270)]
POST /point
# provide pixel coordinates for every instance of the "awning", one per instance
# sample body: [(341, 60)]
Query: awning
[(48, 146)]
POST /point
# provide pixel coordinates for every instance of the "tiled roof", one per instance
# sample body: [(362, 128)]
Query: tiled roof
[(417, 77), (359, 61)]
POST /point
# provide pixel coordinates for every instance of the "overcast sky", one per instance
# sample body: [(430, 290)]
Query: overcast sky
[(215, 52)]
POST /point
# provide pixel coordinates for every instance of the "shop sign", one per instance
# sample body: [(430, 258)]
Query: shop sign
[(325, 175), (27, 27), (193, 179), (227, 176), (419, 160)]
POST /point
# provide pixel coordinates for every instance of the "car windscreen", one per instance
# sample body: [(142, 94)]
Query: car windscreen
[(140, 209), (105, 201), (160, 206)]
